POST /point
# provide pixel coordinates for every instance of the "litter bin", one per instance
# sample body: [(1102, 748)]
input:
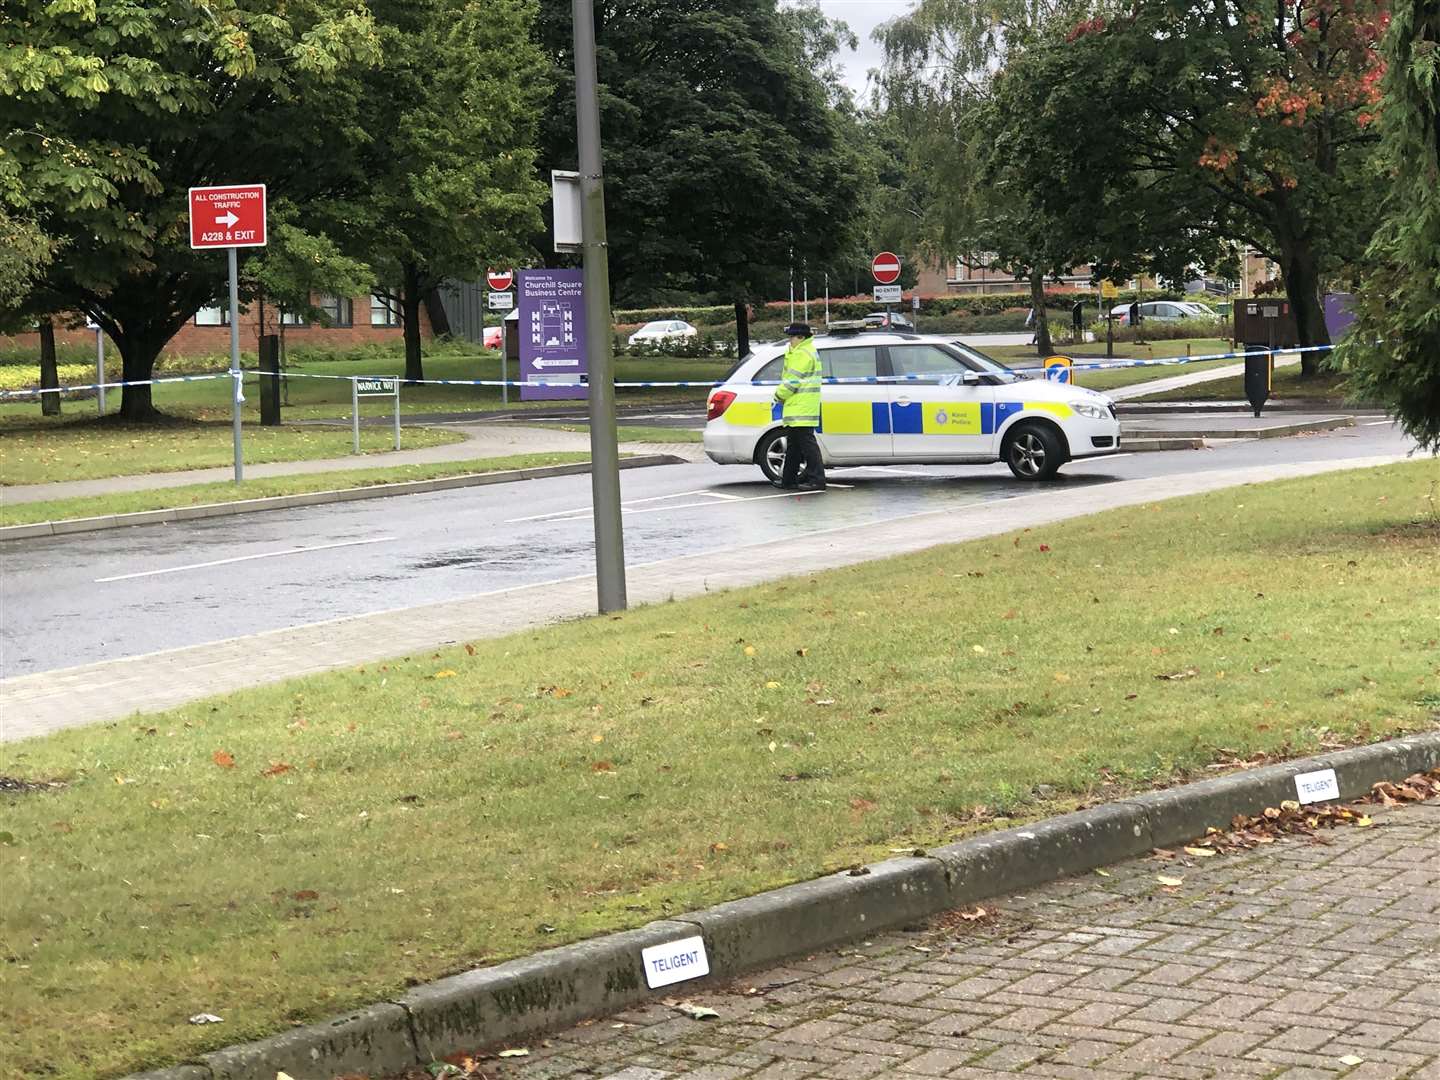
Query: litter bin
[(1259, 374)]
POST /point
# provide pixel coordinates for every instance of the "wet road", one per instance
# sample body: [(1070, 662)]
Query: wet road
[(102, 596)]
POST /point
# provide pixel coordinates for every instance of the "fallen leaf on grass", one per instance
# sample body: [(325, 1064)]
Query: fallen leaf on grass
[(749, 650), (469, 649), (305, 894), (1169, 880), (276, 768), (446, 674), (1176, 676), (602, 766), (223, 758)]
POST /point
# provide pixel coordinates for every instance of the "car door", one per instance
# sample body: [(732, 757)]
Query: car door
[(934, 416), (854, 417)]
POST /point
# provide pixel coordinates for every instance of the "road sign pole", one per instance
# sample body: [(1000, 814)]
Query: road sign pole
[(235, 396), (604, 451), (504, 363), (355, 413), (397, 414)]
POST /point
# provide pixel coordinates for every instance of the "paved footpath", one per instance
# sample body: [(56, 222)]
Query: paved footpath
[(1294, 961)]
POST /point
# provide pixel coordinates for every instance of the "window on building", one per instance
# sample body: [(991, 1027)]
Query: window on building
[(384, 311), (212, 316), (338, 310), (291, 318)]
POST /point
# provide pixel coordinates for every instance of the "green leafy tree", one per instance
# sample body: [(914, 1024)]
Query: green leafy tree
[(1181, 125), (726, 159), (1393, 348), (110, 110), (451, 120), (25, 253)]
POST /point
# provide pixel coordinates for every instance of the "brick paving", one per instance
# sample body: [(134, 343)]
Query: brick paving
[(1296, 960)]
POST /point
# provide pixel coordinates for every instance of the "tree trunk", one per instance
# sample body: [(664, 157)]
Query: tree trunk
[(138, 363), (1043, 346), (410, 297), (49, 370), (742, 329), (439, 317), (1299, 268)]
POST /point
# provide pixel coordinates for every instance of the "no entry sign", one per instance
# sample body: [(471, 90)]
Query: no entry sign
[(886, 267), (500, 280), (230, 216)]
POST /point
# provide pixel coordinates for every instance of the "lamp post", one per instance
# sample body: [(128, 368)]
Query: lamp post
[(604, 451)]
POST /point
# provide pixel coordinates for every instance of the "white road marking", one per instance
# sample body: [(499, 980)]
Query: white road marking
[(730, 500), (1376, 423), (627, 502), (247, 558)]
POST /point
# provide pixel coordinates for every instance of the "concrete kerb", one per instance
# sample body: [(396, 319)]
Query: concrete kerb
[(561, 986), (315, 498)]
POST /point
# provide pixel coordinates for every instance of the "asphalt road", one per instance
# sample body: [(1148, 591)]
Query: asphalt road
[(102, 596)]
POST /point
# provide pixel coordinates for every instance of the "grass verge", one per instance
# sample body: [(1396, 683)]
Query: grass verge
[(1325, 386), (277, 855), (94, 449), (225, 491)]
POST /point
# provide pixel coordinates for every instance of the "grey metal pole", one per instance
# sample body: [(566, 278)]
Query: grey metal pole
[(235, 362), (355, 413), (397, 414), (100, 371), (604, 451)]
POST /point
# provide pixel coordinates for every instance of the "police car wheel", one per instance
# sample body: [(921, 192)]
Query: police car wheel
[(1033, 452), (770, 456)]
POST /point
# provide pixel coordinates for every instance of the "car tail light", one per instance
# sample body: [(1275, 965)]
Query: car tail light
[(719, 401)]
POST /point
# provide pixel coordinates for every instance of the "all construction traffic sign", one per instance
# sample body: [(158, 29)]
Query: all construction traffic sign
[(228, 216)]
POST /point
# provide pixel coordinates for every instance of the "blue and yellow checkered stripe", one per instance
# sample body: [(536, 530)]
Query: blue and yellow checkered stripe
[(916, 418)]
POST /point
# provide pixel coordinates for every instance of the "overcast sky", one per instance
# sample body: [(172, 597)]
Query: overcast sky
[(863, 16)]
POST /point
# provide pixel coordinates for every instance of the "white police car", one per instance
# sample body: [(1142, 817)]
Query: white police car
[(932, 401)]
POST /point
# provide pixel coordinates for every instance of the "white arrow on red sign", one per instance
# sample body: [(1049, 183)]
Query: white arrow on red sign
[(886, 267), (228, 220), (499, 280)]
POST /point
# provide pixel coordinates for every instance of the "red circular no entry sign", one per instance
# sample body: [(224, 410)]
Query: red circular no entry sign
[(499, 280), (886, 267)]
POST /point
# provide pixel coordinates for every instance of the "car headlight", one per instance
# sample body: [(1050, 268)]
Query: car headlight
[(1094, 410)]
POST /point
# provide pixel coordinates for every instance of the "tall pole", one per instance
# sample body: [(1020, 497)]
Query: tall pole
[(100, 370), (604, 451), (235, 398)]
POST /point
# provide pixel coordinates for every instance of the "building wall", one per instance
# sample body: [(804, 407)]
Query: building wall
[(194, 339)]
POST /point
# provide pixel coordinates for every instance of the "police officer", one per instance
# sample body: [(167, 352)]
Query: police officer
[(799, 398)]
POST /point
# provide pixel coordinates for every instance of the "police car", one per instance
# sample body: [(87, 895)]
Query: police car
[(911, 399)]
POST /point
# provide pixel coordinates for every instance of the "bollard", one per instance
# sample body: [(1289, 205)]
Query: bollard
[(1259, 372), (269, 380)]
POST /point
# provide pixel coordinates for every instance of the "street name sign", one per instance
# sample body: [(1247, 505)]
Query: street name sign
[(374, 387), (887, 294), (886, 268), (229, 216)]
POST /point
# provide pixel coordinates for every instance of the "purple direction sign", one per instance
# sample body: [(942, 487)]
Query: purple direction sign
[(552, 334)]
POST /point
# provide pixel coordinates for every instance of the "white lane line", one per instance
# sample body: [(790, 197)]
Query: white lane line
[(246, 558), (734, 500), (723, 495)]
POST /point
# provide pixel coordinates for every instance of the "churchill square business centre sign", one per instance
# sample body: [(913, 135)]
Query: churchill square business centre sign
[(552, 335)]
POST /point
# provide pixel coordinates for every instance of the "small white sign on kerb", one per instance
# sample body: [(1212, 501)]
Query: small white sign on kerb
[(675, 961), (1318, 786), (887, 294)]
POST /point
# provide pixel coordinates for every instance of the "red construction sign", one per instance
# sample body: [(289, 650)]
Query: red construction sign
[(886, 267), (230, 216), (500, 280)]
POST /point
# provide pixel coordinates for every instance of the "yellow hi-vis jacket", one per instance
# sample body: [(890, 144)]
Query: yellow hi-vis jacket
[(799, 389)]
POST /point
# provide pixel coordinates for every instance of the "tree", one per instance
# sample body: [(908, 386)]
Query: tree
[(451, 118), (25, 253), (965, 147), (110, 110), (1189, 124), (726, 159), (1393, 349)]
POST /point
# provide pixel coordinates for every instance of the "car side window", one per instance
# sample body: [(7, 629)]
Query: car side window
[(851, 362), (770, 373), (925, 360)]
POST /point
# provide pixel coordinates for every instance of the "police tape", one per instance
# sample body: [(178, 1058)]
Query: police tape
[(75, 389), (860, 380)]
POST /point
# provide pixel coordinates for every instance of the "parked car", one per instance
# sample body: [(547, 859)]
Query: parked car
[(892, 320), (663, 330), (492, 337), (917, 398), (1165, 311)]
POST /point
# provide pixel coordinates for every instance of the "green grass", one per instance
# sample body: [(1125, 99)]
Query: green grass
[(88, 449), (405, 820), (324, 398), (227, 491), (1325, 386), (1117, 377)]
